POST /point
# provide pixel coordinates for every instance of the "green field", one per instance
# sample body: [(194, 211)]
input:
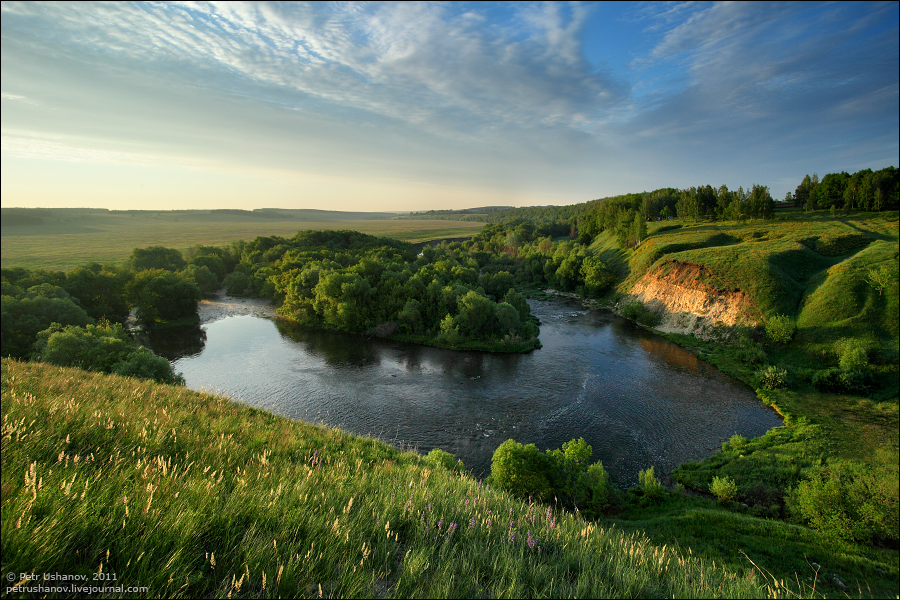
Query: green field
[(68, 240)]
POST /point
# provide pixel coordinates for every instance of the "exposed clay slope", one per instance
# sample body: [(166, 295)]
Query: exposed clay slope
[(685, 303)]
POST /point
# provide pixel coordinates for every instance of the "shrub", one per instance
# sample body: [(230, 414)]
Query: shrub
[(736, 441), (723, 488), (521, 470), (849, 501), (633, 310), (780, 329), (105, 348), (650, 319), (772, 377), (650, 485), (852, 353), (751, 356), (827, 380), (445, 460), (565, 475), (839, 380)]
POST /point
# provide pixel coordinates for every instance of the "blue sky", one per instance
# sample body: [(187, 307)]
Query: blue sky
[(383, 106)]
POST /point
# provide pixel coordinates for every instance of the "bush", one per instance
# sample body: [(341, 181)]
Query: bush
[(849, 501), (750, 353), (445, 460), (780, 329), (736, 441), (236, 283), (523, 471), (650, 485), (841, 381), (772, 377), (565, 475), (649, 319), (852, 354), (105, 348), (633, 310), (723, 488), (144, 364)]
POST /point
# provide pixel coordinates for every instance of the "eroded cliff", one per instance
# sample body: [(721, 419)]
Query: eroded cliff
[(681, 295)]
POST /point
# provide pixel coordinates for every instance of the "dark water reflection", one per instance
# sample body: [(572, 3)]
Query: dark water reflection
[(638, 399), (186, 341)]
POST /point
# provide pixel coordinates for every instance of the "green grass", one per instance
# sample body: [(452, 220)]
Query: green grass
[(194, 495), (70, 240), (815, 269)]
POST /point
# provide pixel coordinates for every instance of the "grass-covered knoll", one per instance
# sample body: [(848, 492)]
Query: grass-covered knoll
[(194, 495), (66, 239), (814, 268)]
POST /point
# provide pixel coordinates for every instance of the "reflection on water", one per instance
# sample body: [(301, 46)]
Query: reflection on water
[(638, 399), (173, 343)]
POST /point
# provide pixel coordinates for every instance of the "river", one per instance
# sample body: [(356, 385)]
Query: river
[(636, 398)]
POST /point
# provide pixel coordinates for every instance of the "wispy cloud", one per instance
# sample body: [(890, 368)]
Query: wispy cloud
[(501, 95)]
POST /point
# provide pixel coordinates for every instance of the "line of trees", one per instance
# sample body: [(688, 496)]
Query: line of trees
[(76, 318), (864, 190)]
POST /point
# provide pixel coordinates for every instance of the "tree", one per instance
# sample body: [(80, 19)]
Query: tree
[(160, 296), (639, 228), (100, 290), (761, 204), (156, 257), (597, 278), (24, 318), (106, 348), (204, 279), (523, 471)]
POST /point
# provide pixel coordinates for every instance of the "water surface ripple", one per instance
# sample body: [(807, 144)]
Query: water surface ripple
[(638, 399)]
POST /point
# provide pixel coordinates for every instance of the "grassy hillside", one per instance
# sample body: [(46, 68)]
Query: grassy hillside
[(816, 270), (65, 240), (194, 495)]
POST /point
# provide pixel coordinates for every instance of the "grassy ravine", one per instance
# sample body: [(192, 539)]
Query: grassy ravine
[(194, 495)]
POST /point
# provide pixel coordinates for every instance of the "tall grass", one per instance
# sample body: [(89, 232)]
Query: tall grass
[(194, 495)]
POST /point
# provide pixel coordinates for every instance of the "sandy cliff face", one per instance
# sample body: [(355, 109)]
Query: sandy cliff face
[(685, 304)]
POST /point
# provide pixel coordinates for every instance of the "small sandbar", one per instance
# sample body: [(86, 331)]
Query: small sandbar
[(222, 305)]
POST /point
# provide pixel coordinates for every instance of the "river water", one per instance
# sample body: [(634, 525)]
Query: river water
[(635, 397)]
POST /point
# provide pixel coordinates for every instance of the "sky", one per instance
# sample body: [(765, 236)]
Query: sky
[(419, 106)]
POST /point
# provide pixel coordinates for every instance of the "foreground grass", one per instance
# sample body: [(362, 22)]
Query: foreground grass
[(193, 495), (68, 241)]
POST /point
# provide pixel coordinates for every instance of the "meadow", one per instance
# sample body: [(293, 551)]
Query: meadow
[(68, 239), (194, 495), (218, 499)]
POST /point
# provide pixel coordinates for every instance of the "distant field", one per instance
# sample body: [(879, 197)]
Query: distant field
[(66, 241)]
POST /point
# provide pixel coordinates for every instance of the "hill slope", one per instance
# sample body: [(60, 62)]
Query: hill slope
[(194, 495)]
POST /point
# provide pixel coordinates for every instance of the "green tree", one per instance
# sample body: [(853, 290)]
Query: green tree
[(639, 228), (100, 291), (106, 348), (202, 277), (24, 318), (161, 296), (156, 257)]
